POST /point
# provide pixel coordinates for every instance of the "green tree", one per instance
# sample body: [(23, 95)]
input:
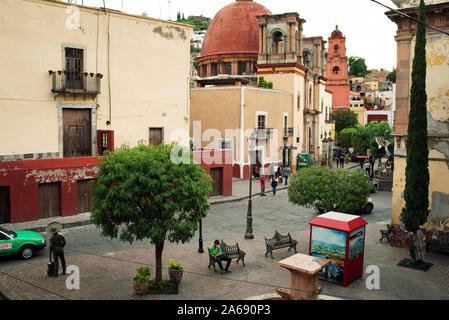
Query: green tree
[(345, 119), (140, 193), (364, 138), (262, 82), (357, 66), (392, 76), (416, 193), (327, 190), (344, 138)]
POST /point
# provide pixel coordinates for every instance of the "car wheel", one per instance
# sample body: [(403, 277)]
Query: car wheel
[(369, 208), (375, 189), (26, 252)]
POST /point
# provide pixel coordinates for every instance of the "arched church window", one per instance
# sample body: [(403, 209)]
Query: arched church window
[(278, 45), (336, 70), (336, 47)]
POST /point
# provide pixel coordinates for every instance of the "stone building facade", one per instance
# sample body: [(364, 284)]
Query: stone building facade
[(337, 69), (437, 88)]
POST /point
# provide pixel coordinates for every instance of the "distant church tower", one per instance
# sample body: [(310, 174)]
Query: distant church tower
[(337, 69)]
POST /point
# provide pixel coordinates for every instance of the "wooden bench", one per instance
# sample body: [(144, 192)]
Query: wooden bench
[(233, 252), (385, 234), (278, 242)]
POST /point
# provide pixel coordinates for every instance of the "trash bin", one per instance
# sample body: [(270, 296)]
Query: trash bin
[(304, 160)]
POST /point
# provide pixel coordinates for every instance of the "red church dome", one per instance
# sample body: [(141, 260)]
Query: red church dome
[(234, 30)]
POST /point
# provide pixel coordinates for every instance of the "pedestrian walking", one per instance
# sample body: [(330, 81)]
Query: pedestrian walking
[(337, 160), (57, 244), (279, 175), (262, 186), (342, 160), (274, 184), (286, 174)]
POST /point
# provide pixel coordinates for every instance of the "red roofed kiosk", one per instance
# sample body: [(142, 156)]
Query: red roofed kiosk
[(340, 238)]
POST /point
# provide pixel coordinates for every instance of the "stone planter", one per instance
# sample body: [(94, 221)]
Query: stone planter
[(175, 275), (140, 289)]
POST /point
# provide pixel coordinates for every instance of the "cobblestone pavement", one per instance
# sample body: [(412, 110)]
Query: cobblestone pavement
[(108, 266)]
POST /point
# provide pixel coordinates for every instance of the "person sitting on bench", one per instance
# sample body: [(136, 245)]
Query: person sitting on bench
[(216, 252)]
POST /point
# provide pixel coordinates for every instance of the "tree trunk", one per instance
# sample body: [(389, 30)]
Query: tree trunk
[(159, 249)]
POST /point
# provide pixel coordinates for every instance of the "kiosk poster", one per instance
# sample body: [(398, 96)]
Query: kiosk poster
[(330, 244), (356, 239)]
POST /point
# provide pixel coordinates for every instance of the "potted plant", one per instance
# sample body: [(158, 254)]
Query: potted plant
[(140, 283), (175, 271)]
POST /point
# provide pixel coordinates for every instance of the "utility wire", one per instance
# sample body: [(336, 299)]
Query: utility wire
[(411, 18)]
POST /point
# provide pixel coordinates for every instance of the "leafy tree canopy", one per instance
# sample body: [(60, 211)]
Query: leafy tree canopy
[(140, 193), (200, 24), (357, 66), (392, 76), (345, 119), (344, 138), (325, 189), (364, 138)]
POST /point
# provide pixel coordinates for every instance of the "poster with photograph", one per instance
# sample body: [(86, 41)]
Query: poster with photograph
[(356, 239), (330, 244)]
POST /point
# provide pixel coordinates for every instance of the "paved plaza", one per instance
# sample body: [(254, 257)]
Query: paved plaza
[(108, 266)]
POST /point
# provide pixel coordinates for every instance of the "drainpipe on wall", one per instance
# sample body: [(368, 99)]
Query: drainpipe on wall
[(242, 118), (109, 69)]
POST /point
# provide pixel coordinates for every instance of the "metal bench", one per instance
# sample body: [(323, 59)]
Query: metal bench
[(278, 242), (385, 234), (233, 252), (440, 244)]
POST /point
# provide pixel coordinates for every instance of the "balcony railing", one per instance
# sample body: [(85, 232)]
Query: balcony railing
[(263, 134), (288, 132), (67, 82)]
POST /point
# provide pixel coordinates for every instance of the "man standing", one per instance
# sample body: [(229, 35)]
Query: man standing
[(216, 252), (274, 184), (286, 174), (262, 186), (57, 244)]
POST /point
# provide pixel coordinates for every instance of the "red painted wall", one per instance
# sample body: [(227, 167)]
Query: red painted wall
[(23, 178), (217, 158)]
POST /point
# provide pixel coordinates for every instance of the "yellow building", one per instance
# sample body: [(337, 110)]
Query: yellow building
[(371, 85), (437, 88), (77, 81), (110, 70)]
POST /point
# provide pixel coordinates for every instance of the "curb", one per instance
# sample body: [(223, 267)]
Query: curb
[(68, 225)]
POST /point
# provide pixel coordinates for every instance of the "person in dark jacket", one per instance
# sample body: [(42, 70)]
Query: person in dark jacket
[(57, 244), (274, 184)]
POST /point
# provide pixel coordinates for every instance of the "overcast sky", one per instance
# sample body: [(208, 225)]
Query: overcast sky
[(368, 31)]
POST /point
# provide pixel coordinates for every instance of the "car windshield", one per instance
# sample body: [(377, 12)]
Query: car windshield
[(9, 233)]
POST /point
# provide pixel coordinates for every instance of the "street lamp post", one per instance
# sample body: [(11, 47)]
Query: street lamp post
[(249, 218), (200, 240), (330, 140), (325, 148)]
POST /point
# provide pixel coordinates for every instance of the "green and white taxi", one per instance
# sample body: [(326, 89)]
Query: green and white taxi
[(21, 243)]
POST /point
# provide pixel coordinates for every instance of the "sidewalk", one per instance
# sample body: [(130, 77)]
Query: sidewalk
[(240, 191), (109, 276)]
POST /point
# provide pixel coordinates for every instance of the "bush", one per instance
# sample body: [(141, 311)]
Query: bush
[(143, 275), (175, 266), (328, 190)]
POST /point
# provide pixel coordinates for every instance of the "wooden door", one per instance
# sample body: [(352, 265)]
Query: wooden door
[(217, 183), (49, 200), (77, 133), (85, 193), (5, 205), (156, 136)]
